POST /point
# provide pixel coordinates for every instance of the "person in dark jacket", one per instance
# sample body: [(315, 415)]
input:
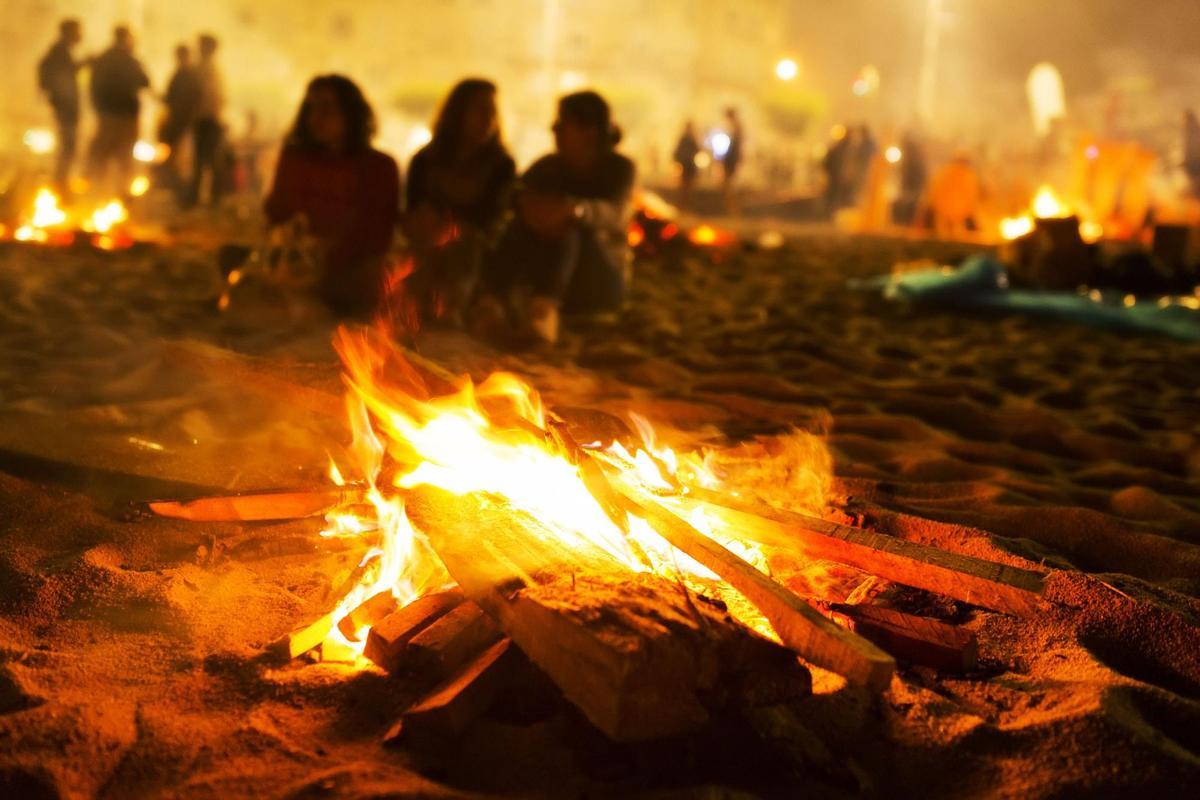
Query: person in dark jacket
[(567, 250), (58, 78), (117, 81), (331, 181), (181, 101), (458, 192), (686, 150)]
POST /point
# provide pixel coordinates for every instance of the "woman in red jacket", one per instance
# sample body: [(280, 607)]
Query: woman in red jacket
[(344, 192)]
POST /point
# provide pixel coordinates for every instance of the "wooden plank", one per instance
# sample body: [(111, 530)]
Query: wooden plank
[(800, 626), (258, 506), (368, 614), (920, 640), (447, 711), (301, 640), (999, 587), (449, 642), (639, 655), (386, 640)]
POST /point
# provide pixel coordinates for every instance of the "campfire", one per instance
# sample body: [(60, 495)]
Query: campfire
[(628, 573), (48, 222), (1046, 205)]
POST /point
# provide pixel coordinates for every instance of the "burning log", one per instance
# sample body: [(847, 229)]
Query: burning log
[(448, 710), (301, 640), (386, 640), (256, 507), (924, 641), (367, 614), (640, 656), (998, 587), (450, 641), (800, 626)]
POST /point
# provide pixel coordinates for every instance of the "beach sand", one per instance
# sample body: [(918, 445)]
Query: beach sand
[(129, 647)]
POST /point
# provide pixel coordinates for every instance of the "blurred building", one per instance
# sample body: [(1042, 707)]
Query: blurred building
[(659, 62)]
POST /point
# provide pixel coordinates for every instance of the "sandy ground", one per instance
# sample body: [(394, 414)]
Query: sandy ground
[(129, 647)]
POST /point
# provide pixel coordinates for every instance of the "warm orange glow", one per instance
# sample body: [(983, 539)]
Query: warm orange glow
[(708, 236), (635, 235), (104, 218), (1016, 227), (139, 186), (491, 438)]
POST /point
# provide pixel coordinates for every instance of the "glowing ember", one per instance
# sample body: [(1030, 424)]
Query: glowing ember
[(708, 236), (139, 186), (104, 218), (1016, 227)]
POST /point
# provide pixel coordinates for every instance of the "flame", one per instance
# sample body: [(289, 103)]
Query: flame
[(46, 211), (707, 236), (139, 186), (1016, 227), (104, 218), (1046, 204), (492, 437)]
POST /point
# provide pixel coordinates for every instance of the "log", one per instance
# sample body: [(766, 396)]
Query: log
[(451, 708), (301, 640), (261, 506), (800, 626), (639, 655), (449, 642), (988, 584), (920, 640), (386, 640), (367, 615)]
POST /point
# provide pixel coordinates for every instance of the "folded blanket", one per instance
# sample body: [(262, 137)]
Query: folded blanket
[(981, 283)]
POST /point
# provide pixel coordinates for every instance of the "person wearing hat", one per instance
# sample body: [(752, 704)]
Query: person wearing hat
[(567, 250)]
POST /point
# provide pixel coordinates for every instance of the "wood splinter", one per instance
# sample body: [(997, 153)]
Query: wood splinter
[(387, 639)]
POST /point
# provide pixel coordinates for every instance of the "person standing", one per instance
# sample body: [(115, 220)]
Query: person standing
[(1191, 151), (206, 128), (117, 80), (58, 78), (181, 100), (732, 160), (686, 150)]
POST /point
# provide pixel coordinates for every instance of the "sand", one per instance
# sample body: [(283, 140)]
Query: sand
[(130, 647)]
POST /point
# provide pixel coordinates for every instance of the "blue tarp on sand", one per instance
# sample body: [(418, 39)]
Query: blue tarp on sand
[(982, 284)]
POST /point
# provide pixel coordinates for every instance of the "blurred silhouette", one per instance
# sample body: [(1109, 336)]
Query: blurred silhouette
[(206, 125), (331, 184), (117, 81), (1191, 150), (567, 250), (686, 150), (837, 154), (953, 200), (458, 190), (914, 175), (732, 161), (58, 78), (181, 101)]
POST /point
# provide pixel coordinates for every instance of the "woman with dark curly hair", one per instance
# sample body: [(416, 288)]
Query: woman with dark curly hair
[(341, 190)]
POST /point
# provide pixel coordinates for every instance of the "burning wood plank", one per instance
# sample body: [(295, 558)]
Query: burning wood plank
[(387, 639), (450, 641), (929, 642), (448, 710), (999, 587), (301, 640), (638, 655), (368, 614), (256, 507), (800, 626)]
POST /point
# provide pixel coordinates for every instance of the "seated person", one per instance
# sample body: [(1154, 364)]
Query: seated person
[(332, 183), (567, 250), (457, 197)]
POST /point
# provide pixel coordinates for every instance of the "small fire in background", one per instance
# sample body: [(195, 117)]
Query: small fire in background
[(139, 186), (49, 222), (40, 141), (1047, 205)]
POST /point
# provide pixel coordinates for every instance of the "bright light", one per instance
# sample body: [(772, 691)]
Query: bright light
[(837, 132), (866, 82), (139, 186), (418, 137), (1091, 231), (1046, 205), (40, 140), (1016, 227), (893, 154), (1091, 152), (46, 213), (718, 142), (104, 218), (787, 69), (145, 152), (702, 160)]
